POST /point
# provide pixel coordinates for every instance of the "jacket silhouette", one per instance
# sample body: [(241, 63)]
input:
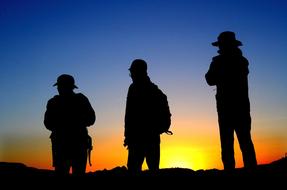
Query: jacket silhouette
[(229, 71), (146, 110), (67, 116)]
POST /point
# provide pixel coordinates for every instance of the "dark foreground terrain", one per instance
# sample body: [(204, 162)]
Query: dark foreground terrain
[(265, 176)]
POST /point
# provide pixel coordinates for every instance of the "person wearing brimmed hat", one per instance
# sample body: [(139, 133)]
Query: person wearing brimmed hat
[(66, 80), (227, 38), (147, 116), (67, 116), (229, 71)]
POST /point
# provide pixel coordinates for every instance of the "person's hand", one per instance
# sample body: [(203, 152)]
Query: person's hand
[(126, 142)]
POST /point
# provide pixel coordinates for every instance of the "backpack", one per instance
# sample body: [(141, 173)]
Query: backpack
[(164, 114)]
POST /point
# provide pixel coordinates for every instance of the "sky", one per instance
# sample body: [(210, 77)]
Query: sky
[(96, 41)]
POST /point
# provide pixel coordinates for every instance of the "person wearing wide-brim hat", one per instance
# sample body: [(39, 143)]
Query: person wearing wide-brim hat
[(66, 80), (67, 116), (227, 38), (229, 71)]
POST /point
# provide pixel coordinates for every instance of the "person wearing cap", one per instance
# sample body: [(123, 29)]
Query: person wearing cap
[(143, 116), (229, 71), (67, 116)]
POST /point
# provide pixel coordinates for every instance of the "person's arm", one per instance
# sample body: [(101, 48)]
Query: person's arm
[(48, 117), (88, 114), (211, 75), (127, 118)]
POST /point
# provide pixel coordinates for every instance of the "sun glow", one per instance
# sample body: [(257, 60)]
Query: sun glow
[(178, 162), (182, 157)]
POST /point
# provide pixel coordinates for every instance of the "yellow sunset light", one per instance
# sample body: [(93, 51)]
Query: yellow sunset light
[(182, 157)]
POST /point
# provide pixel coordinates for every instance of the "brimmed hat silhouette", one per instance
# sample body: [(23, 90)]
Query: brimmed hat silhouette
[(65, 80), (227, 38)]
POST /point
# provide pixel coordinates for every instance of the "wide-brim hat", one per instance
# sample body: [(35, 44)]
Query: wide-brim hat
[(65, 80), (225, 38)]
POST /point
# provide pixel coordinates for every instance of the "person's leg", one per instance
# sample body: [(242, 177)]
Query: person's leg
[(135, 158), (243, 132), (227, 143), (153, 156), (62, 169), (61, 162), (79, 161)]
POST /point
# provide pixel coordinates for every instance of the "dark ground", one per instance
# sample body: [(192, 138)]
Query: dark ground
[(265, 176)]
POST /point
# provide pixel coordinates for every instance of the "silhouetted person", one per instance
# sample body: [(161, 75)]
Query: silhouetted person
[(67, 116), (146, 110), (228, 71)]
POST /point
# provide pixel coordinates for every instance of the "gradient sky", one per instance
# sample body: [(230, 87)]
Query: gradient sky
[(95, 41)]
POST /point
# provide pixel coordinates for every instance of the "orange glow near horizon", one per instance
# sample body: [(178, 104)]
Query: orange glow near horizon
[(182, 157), (200, 150)]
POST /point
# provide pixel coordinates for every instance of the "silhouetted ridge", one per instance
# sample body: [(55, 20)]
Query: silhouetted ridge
[(20, 169), (276, 168)]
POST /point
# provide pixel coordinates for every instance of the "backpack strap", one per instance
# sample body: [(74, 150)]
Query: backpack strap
[(90, 148), (168, 132)]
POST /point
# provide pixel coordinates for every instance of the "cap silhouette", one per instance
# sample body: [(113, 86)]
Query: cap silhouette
[(227, 38), (138, 65), (65, 80)]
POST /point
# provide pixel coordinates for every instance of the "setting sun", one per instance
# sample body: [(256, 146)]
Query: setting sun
[(182, 157)]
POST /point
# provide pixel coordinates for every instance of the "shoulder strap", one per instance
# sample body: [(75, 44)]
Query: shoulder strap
[(90, 148), (169, 132)]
